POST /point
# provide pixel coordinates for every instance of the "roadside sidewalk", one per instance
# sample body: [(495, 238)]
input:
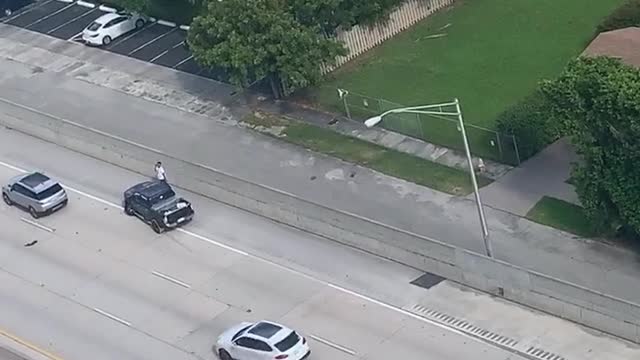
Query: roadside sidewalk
[(100, 97)]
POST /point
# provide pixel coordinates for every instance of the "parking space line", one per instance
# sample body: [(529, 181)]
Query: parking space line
[(48, 16), (171, 279), (75, 36), (182, 62), (112, 317), (20, 13), (166, 51), (134, 33), (152, 41), (70, 21)]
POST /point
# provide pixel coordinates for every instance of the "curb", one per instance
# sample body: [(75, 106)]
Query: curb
[(23, 348)]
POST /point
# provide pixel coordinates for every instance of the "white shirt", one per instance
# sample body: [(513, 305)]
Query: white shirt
[(160, 173)]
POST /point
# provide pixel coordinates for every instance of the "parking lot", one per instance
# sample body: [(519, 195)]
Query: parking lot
[(159, 42)]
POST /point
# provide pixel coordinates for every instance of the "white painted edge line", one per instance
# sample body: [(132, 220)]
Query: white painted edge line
[(293, 271), (171, 279), (167, 23), (86, 4), (112, 317), (185, 27), (333, 345), (107, 9), (36, 224)]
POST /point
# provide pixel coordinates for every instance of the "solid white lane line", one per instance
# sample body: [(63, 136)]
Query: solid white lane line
[(48, 16), (297, 272), (152, 41), (333, 345), (38, 225), (183, 61), (171, 279), (112, 317), (70, 21)]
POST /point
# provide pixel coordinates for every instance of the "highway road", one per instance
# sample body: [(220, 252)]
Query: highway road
[(100, 285)]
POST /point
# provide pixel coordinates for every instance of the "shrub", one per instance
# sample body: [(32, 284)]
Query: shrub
[(531, 123), (626, 15)]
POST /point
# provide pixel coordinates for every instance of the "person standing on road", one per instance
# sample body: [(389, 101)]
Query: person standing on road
[(160, 173)]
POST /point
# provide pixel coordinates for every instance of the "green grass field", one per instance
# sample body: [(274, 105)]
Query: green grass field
[(494, 53), (561, 215)]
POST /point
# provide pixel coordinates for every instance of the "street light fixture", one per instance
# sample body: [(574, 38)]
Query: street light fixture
[(436, 110)]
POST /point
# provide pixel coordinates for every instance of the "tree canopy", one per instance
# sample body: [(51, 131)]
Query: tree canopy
[(599, 100), (253, 39)]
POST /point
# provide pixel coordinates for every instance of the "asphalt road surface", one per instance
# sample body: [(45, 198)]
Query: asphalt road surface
[(101, 285)]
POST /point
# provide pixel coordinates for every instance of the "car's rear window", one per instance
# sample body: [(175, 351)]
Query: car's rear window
[(49, 192), (94, 26), (288, 342)]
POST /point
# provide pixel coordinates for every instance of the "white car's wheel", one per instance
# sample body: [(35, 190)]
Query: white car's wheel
[(139, 24), (106, 40), (6, 199), (224, 355)]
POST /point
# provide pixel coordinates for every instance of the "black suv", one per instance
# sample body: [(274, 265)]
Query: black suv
[(156, 203)]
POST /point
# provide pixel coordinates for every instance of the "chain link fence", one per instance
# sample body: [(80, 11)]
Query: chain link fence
[(485, 143)]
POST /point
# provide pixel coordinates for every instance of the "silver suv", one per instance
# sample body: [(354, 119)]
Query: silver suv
[(36, 193)]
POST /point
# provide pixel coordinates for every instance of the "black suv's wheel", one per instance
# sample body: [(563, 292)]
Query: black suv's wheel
[(156, 227), (33, 212), (128, 209), (224, 355), (6, 199)]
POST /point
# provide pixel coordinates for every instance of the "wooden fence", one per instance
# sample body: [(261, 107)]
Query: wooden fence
[(360, 39)]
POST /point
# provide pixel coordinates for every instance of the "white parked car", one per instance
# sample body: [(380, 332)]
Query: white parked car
[(261, 341), (110, 26)]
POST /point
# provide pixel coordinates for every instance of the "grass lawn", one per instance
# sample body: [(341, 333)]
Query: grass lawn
[(387, 161), (494, 53), (561, 215)]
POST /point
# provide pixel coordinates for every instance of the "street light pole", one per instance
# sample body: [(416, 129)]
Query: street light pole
[(427, 110), (474, 182)]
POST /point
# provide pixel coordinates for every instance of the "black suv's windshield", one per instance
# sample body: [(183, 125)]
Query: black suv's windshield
[(48, 192)]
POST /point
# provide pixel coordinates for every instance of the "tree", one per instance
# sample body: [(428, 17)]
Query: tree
[(332, 14), (599, 100), (254, 39)]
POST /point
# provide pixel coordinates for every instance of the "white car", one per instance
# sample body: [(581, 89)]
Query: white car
[(261, 341), (110, 26)]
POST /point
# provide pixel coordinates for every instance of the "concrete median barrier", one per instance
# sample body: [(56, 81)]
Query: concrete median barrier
[(569, 301)]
